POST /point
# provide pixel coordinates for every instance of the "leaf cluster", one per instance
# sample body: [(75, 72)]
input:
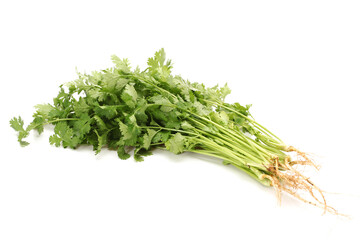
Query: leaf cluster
[(130, 110), (135, 112)]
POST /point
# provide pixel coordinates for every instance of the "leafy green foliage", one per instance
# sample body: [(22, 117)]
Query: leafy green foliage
[(148, 138), (124, 109), (176, 143), (18, 125), (64, 135)]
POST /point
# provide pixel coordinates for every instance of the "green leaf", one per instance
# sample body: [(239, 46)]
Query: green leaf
[(161, 136), (243, 110), (129, 96), (140, 153), (138, 158), (64, 135), (158, 67), (160, 100), (55, 140), (201, 109), (113, 82), (176, 143), (220, 117), (140, 111), (129, 131), (81, 107), (122, 154), (166, 105), (101, 141), (148, 138), (108, 111), (121, 64), (95, 94), (44, 109), (158, 60), (100, 123), (83, 125), (186, 125), (18, 125), (37, 123), (224, 91)]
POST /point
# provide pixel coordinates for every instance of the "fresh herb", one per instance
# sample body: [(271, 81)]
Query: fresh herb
[(127, 109)]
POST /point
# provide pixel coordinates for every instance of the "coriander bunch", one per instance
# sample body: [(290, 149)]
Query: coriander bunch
[(133, 110)]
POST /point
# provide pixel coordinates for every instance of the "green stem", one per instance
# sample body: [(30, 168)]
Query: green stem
[(229, 153), (59, 120), (155, 86), (251, 171), (247, 151), (170, 129), (221, 128), (246, 117)]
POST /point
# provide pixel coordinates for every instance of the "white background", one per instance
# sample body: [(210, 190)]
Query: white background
[(297, 62)]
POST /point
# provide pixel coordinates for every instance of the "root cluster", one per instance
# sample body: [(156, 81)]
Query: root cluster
[(285, 177)]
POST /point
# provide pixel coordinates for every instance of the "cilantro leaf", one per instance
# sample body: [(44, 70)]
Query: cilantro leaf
[(37, 123), (81, 107), (122, 154), (44, 109), (129, 96), (18, 125), (148, 138), (108, 112), (121, 64), (83, 125), (130, 131), (101, 141), (64, 135), (140, 153), (100, 123), (176, 143)]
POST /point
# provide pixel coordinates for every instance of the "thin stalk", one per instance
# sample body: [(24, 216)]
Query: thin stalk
[(170, 129), (231, 154), (232, 137), (259, 149), (247, 152), (223, 151), (225, 130), (53, 121), (246, 117), (251, 171), (60, 119)]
